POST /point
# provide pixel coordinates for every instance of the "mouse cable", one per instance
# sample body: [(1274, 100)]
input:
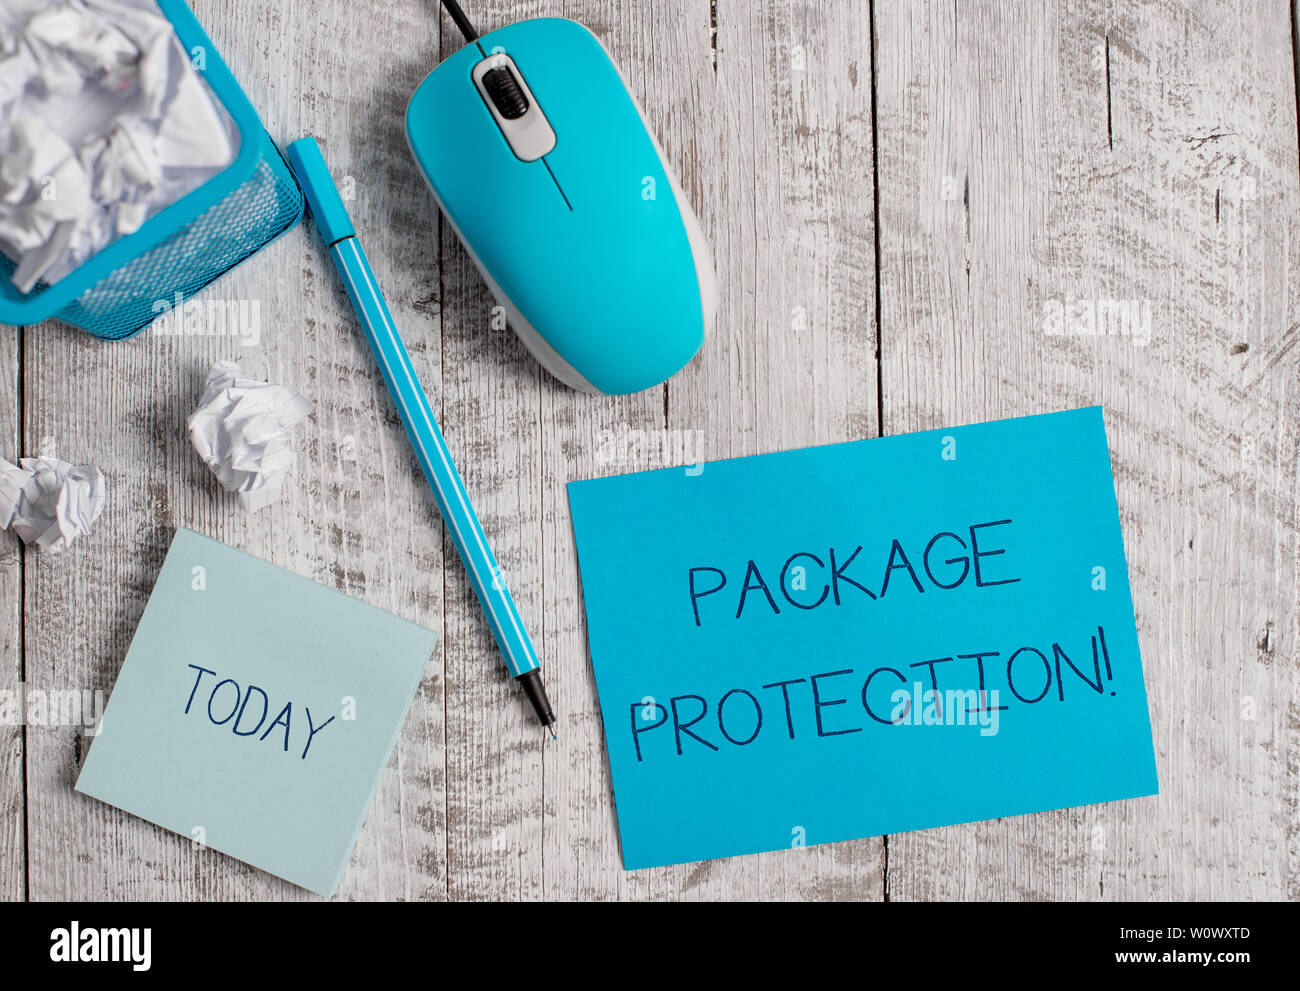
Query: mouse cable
[(462, 22)]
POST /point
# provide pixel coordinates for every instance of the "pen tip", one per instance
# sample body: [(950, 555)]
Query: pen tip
[(551, 730)]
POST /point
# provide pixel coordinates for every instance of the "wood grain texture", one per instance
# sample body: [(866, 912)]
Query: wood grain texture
[(1027, 154), (1120, 151), (491, 402), (13, 807)]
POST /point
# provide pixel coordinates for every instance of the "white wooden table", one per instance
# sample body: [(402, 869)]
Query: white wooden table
[(899, 195)]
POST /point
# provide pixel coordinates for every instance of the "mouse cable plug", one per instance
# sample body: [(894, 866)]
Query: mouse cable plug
[(462, 22)]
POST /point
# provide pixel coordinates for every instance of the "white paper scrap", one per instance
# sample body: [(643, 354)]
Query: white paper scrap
[(49, 502), (241, 431)]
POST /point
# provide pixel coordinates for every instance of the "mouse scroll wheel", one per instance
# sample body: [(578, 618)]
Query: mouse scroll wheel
[(505, 92)]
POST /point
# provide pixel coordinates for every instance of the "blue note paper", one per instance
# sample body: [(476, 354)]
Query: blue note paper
[(255, 712), (862, 639)]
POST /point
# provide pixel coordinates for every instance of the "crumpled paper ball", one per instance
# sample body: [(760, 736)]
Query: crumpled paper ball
[(241, 431), (49, 502)]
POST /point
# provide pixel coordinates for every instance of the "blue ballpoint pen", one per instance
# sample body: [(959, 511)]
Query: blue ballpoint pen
[(336, 228)]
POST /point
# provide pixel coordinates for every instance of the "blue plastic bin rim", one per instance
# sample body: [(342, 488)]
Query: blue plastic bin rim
[(46, 303)]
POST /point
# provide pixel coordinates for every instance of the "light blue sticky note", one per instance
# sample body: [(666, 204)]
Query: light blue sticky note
[(255, 712), (790, 649)]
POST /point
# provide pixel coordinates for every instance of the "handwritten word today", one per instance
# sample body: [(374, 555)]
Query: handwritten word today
[(955, 558), (846, 701), (228, 703)]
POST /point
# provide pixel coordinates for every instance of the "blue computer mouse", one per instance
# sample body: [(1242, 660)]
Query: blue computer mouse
[(543, 164)]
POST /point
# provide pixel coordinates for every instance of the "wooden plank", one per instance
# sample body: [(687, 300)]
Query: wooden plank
[(356, 513), (527, 818), (581, 856), (491, 397), (767, 123), (1034, 153), (1006, 181), (13, 799)]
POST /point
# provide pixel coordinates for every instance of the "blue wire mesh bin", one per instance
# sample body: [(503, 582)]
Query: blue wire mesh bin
[(186, 246)]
